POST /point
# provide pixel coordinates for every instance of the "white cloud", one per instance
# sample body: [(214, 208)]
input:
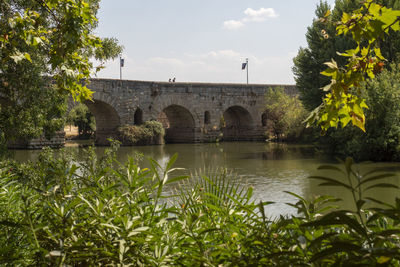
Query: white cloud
[(259, 15), (222, 66), (251, 15), (224, 53), (232, 24)]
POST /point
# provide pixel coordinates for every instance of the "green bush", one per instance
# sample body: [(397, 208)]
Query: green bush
[(149, 133), (284, 115)]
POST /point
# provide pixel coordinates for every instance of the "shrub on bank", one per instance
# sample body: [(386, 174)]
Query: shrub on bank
[(283, 116), (149, 133), (98, 212)]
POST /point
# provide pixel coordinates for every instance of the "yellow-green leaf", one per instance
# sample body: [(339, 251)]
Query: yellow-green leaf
[(28, 57), (383, 259)]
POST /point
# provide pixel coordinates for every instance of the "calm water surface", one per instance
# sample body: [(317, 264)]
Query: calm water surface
[(269, 168)]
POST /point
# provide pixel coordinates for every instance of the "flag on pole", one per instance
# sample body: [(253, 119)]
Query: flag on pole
[(122, 61), (244, 65)]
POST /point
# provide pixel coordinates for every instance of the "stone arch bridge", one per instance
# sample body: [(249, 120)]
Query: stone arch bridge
[(190, 112)]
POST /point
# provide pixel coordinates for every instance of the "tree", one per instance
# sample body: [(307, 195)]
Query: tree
[(45, 52), (343, 102), (322, 46), (284, 114), (356, 18), (382, 140)]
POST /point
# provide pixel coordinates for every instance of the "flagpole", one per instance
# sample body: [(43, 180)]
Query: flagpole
[(247, 68), (120, 67)]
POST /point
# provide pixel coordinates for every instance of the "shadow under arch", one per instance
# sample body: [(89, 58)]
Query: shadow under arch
[(138, 117), (179, 124), (107, 120), (238, 123)]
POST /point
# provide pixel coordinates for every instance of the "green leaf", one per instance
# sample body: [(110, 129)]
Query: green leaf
[(55, 253), (329, 72), (334, 249), (382, 185), (327, 14), (379, 202), (138, 230), (377, 177), (383, 259), (177, 179), (323, 238), (332, 65), (338, 218), (295, 195), (331, 181), (330, 167), (28, 57), (345, 120), (348, 164), (375, 28), (389, 232), (17, 57), (171, 161)]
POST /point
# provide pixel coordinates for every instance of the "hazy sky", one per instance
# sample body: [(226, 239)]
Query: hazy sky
[(207, 40)]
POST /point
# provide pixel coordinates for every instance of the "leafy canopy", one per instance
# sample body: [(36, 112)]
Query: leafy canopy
[(60, 29), (381, 140), (40, 39), (343, 102), (322, 44)]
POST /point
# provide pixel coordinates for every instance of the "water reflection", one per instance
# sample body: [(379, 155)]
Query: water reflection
[(270, 168)]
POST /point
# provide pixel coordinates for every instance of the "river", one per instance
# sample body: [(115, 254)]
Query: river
[(269, 168)]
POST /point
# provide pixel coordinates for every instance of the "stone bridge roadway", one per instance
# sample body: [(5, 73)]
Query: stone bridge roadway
[(190, 112)]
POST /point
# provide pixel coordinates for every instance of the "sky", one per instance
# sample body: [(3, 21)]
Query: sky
[(207, 40)]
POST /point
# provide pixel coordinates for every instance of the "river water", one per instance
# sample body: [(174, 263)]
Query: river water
[(269, 168)]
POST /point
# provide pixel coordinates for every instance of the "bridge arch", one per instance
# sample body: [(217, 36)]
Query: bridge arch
[(138, 117), (107, 120), (179, 124), (237, 122)]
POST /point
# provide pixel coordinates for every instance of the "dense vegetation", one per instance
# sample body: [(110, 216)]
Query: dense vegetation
[(60, 211), (148, 133), (324, 44), (39, 40), (81, 117), (284, 115), (381, 140)]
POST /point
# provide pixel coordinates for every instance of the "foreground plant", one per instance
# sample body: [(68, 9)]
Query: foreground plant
[(363, 235), (61, 211), (93, 213)]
